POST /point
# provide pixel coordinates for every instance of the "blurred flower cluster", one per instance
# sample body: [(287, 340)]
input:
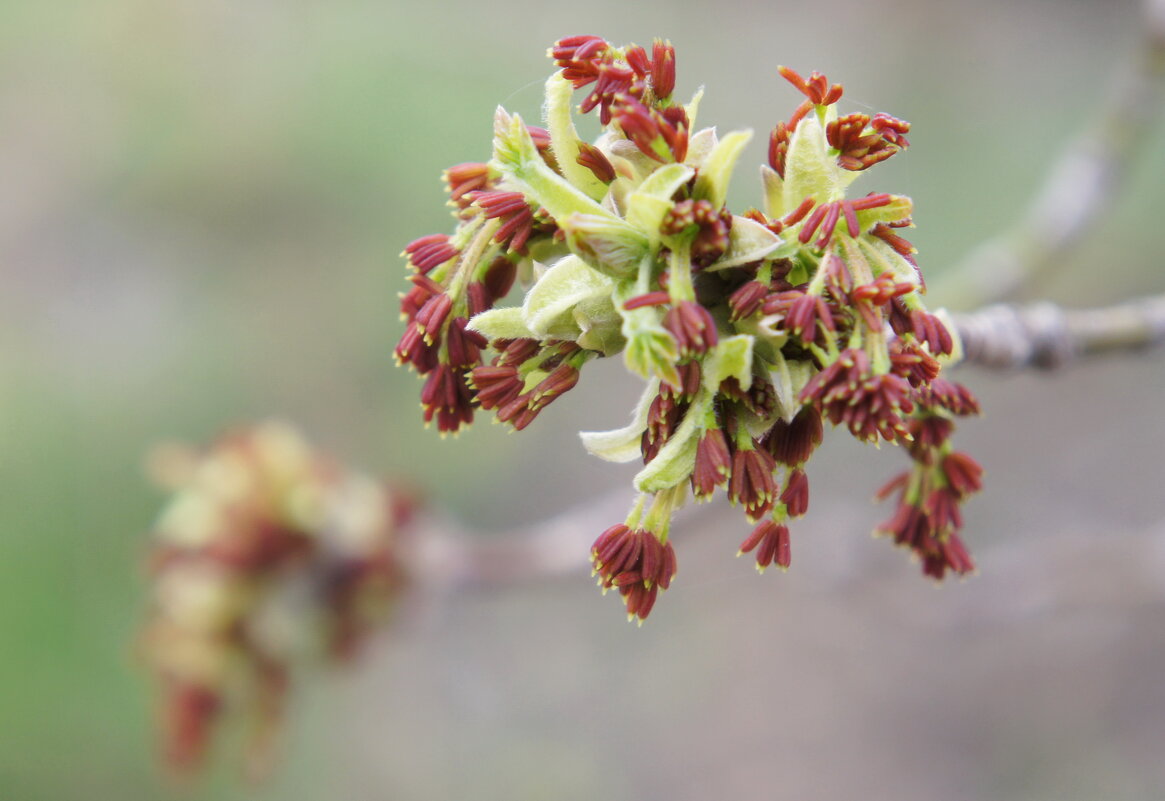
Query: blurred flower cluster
[(751, 330), (268, 557)]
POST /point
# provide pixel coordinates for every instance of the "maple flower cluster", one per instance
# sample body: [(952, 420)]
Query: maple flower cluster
[(268, 556), (751, 330)]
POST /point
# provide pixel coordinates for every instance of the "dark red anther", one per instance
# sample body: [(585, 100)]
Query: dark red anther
[(942, 506), (495, 385), (793, 443), (658, 298), (891, 129), (963, 474), (816, 87), (423, 289), (447, 397), (462, 179), (431, 317), (638, 61), (871, 201), (499, 278), (751, 483), (779, 147), (429, 252), (829, 223), (518, 351), (663, 69), (798, 214), (796, 493), (713, 463), (900, 245), (652, 130), (596, 161), (771, 542), (692, 327), (851, 219), (812, 223), (464, 346), (636, 563), (930, 329), (746, 300)]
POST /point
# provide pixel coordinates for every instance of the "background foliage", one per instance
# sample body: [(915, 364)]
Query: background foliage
[(201, 209)]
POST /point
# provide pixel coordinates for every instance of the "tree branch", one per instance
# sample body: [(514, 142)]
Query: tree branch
[(1080, 187), (440, 551), (1046, 336)]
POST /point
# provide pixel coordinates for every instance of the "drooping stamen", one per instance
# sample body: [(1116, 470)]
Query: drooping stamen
[(658, 298)]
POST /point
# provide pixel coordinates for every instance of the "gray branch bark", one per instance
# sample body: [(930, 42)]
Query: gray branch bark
[(1046, 336)]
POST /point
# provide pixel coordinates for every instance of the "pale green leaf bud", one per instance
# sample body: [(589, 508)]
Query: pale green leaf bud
[(810, 170), (675, 460), (712, 183), (548, 310), (623, 444), (700, 145), (774, 189), (506, 323), (647, 205), (564, 138), (606, 242), (516, 158), (748, 241), (731, 358), (651, 351)]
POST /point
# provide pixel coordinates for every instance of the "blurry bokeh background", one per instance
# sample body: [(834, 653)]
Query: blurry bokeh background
[(201, 207)]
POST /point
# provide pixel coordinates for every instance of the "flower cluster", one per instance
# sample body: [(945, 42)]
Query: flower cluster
[(267, 556), (751, 330)]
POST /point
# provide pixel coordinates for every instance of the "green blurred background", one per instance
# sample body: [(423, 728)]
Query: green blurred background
[(201, 207)]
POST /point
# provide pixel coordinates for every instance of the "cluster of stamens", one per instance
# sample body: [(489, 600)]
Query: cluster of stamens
[(751, 330), (269, 555)]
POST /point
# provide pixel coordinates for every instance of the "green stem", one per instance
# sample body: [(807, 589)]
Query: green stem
[(826, 357), (914, 488), (743, 439), (856, 262), (679, 281), (666, 501), (876, 348), (636, 513), (472, 255), (764, 273), (643, 279), (817, 283), (874, 340), (780, 512)]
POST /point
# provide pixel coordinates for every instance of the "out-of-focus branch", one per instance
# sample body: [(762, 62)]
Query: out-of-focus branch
[(1044, 335), (1080, 187), (442, 552)]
